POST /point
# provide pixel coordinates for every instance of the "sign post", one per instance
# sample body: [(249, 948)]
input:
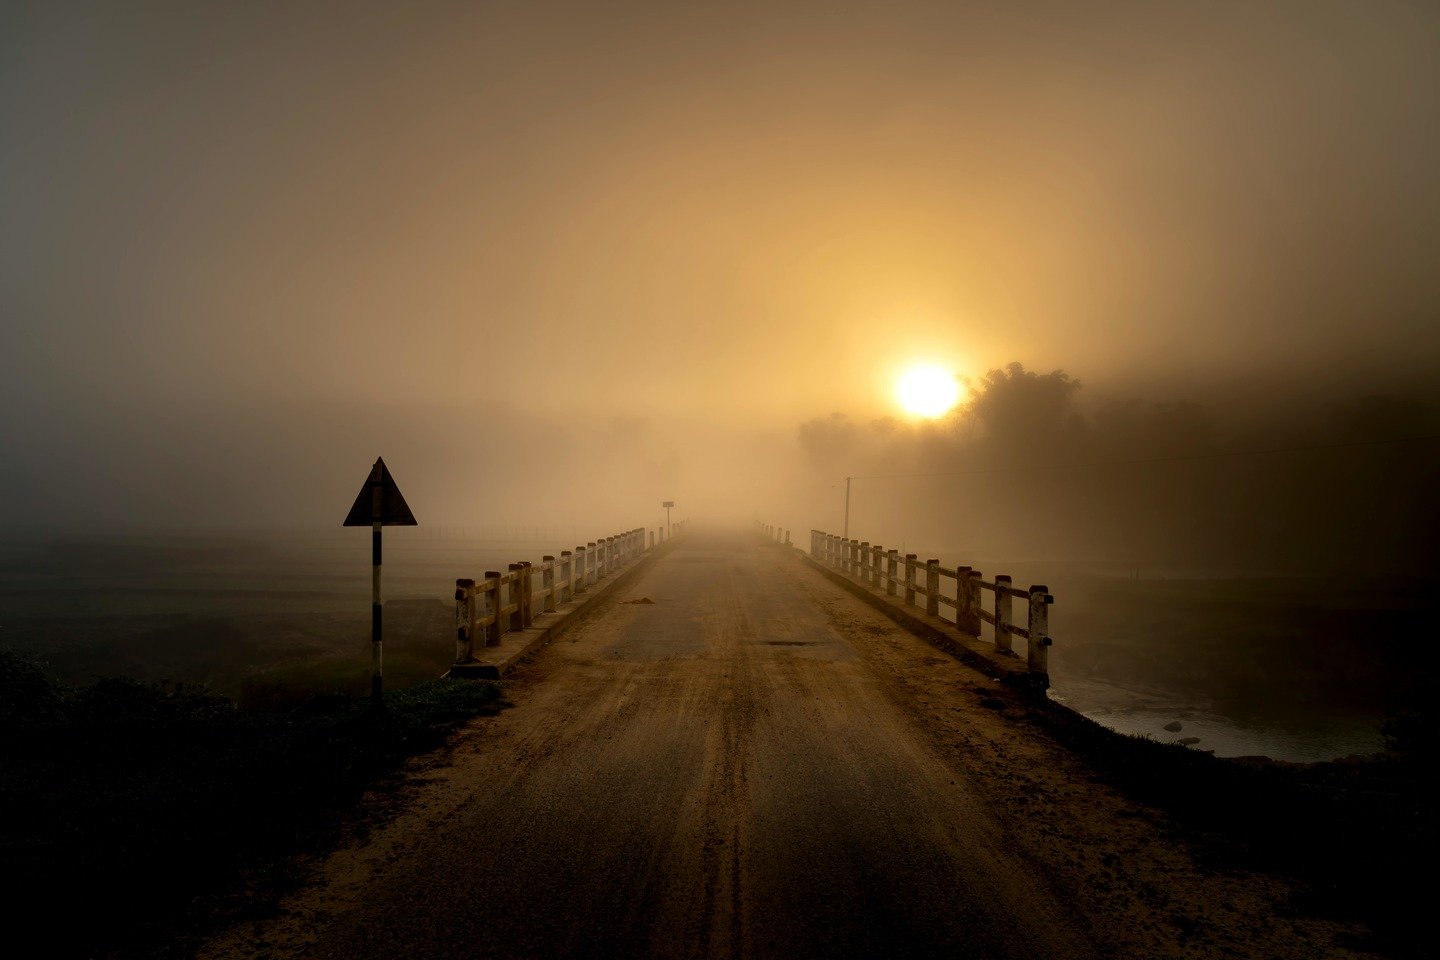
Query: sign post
[(669, 530), (379, 504)]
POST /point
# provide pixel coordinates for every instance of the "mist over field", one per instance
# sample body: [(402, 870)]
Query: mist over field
[(1258, 477), (265, 466)]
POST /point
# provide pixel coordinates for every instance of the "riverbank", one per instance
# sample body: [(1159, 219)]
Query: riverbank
[(1310, 735), (1353, 834)]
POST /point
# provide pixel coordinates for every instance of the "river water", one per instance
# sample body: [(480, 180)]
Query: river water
[(1292, 666), (1300, 737)]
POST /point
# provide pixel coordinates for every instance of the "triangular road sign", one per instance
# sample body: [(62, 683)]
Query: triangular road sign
[(380, 501)]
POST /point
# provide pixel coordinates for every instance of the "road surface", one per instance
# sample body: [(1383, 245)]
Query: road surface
[(756, 764)]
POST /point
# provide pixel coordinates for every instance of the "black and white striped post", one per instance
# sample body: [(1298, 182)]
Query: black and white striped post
[(379, 504), (377, 618)]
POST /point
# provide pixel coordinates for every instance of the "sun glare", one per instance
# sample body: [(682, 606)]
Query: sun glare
[(927, 390)]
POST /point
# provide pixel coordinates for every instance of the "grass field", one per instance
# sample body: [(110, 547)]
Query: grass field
[(246, 618)]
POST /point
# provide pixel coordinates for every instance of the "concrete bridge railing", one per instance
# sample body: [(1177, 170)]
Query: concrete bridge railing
[(771, 532), (486, 609), (907, 578)]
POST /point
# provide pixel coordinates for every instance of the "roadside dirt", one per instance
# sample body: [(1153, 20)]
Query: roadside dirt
[(758, 764)]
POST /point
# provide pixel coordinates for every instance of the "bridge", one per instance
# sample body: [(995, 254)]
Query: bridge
[(720, 745)]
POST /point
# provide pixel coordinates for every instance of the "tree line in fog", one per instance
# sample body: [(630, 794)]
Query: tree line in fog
[(1030, 467)]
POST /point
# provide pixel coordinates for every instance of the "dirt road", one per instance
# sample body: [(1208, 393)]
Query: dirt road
[(757, 764)]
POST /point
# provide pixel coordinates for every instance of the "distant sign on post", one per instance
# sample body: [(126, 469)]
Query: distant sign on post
[(380, 502), (668, 504)]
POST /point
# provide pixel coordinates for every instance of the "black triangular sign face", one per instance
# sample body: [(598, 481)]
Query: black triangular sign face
[(380, 502)]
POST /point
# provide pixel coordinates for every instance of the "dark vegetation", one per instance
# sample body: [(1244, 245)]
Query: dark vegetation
[(1357, 834), (141, 804), (1263, 477)]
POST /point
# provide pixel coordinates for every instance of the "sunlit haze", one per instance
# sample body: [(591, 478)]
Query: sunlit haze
[(515, 248), (927, 390)]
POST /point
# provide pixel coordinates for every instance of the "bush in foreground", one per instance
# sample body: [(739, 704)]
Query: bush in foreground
[(130, 801)]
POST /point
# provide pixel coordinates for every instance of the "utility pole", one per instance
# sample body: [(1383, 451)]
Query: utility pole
[(846, 532)]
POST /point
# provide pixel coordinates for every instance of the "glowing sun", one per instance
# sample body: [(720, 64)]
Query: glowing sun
[(927, 390)]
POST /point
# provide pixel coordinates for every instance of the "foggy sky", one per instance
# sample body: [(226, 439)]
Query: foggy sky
[(245, 249)]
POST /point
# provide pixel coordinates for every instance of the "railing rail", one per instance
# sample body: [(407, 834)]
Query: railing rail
[(908, 578), (498, 603)]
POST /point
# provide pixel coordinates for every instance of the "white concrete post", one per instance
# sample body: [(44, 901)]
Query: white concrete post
[(547, 583), (963, 613), (497, 623), (517, 616), (464, 620), (909, 579), (1002, 613), (530, 572), (580, 563), (1038, 649), (932, 587), (974, 602)]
